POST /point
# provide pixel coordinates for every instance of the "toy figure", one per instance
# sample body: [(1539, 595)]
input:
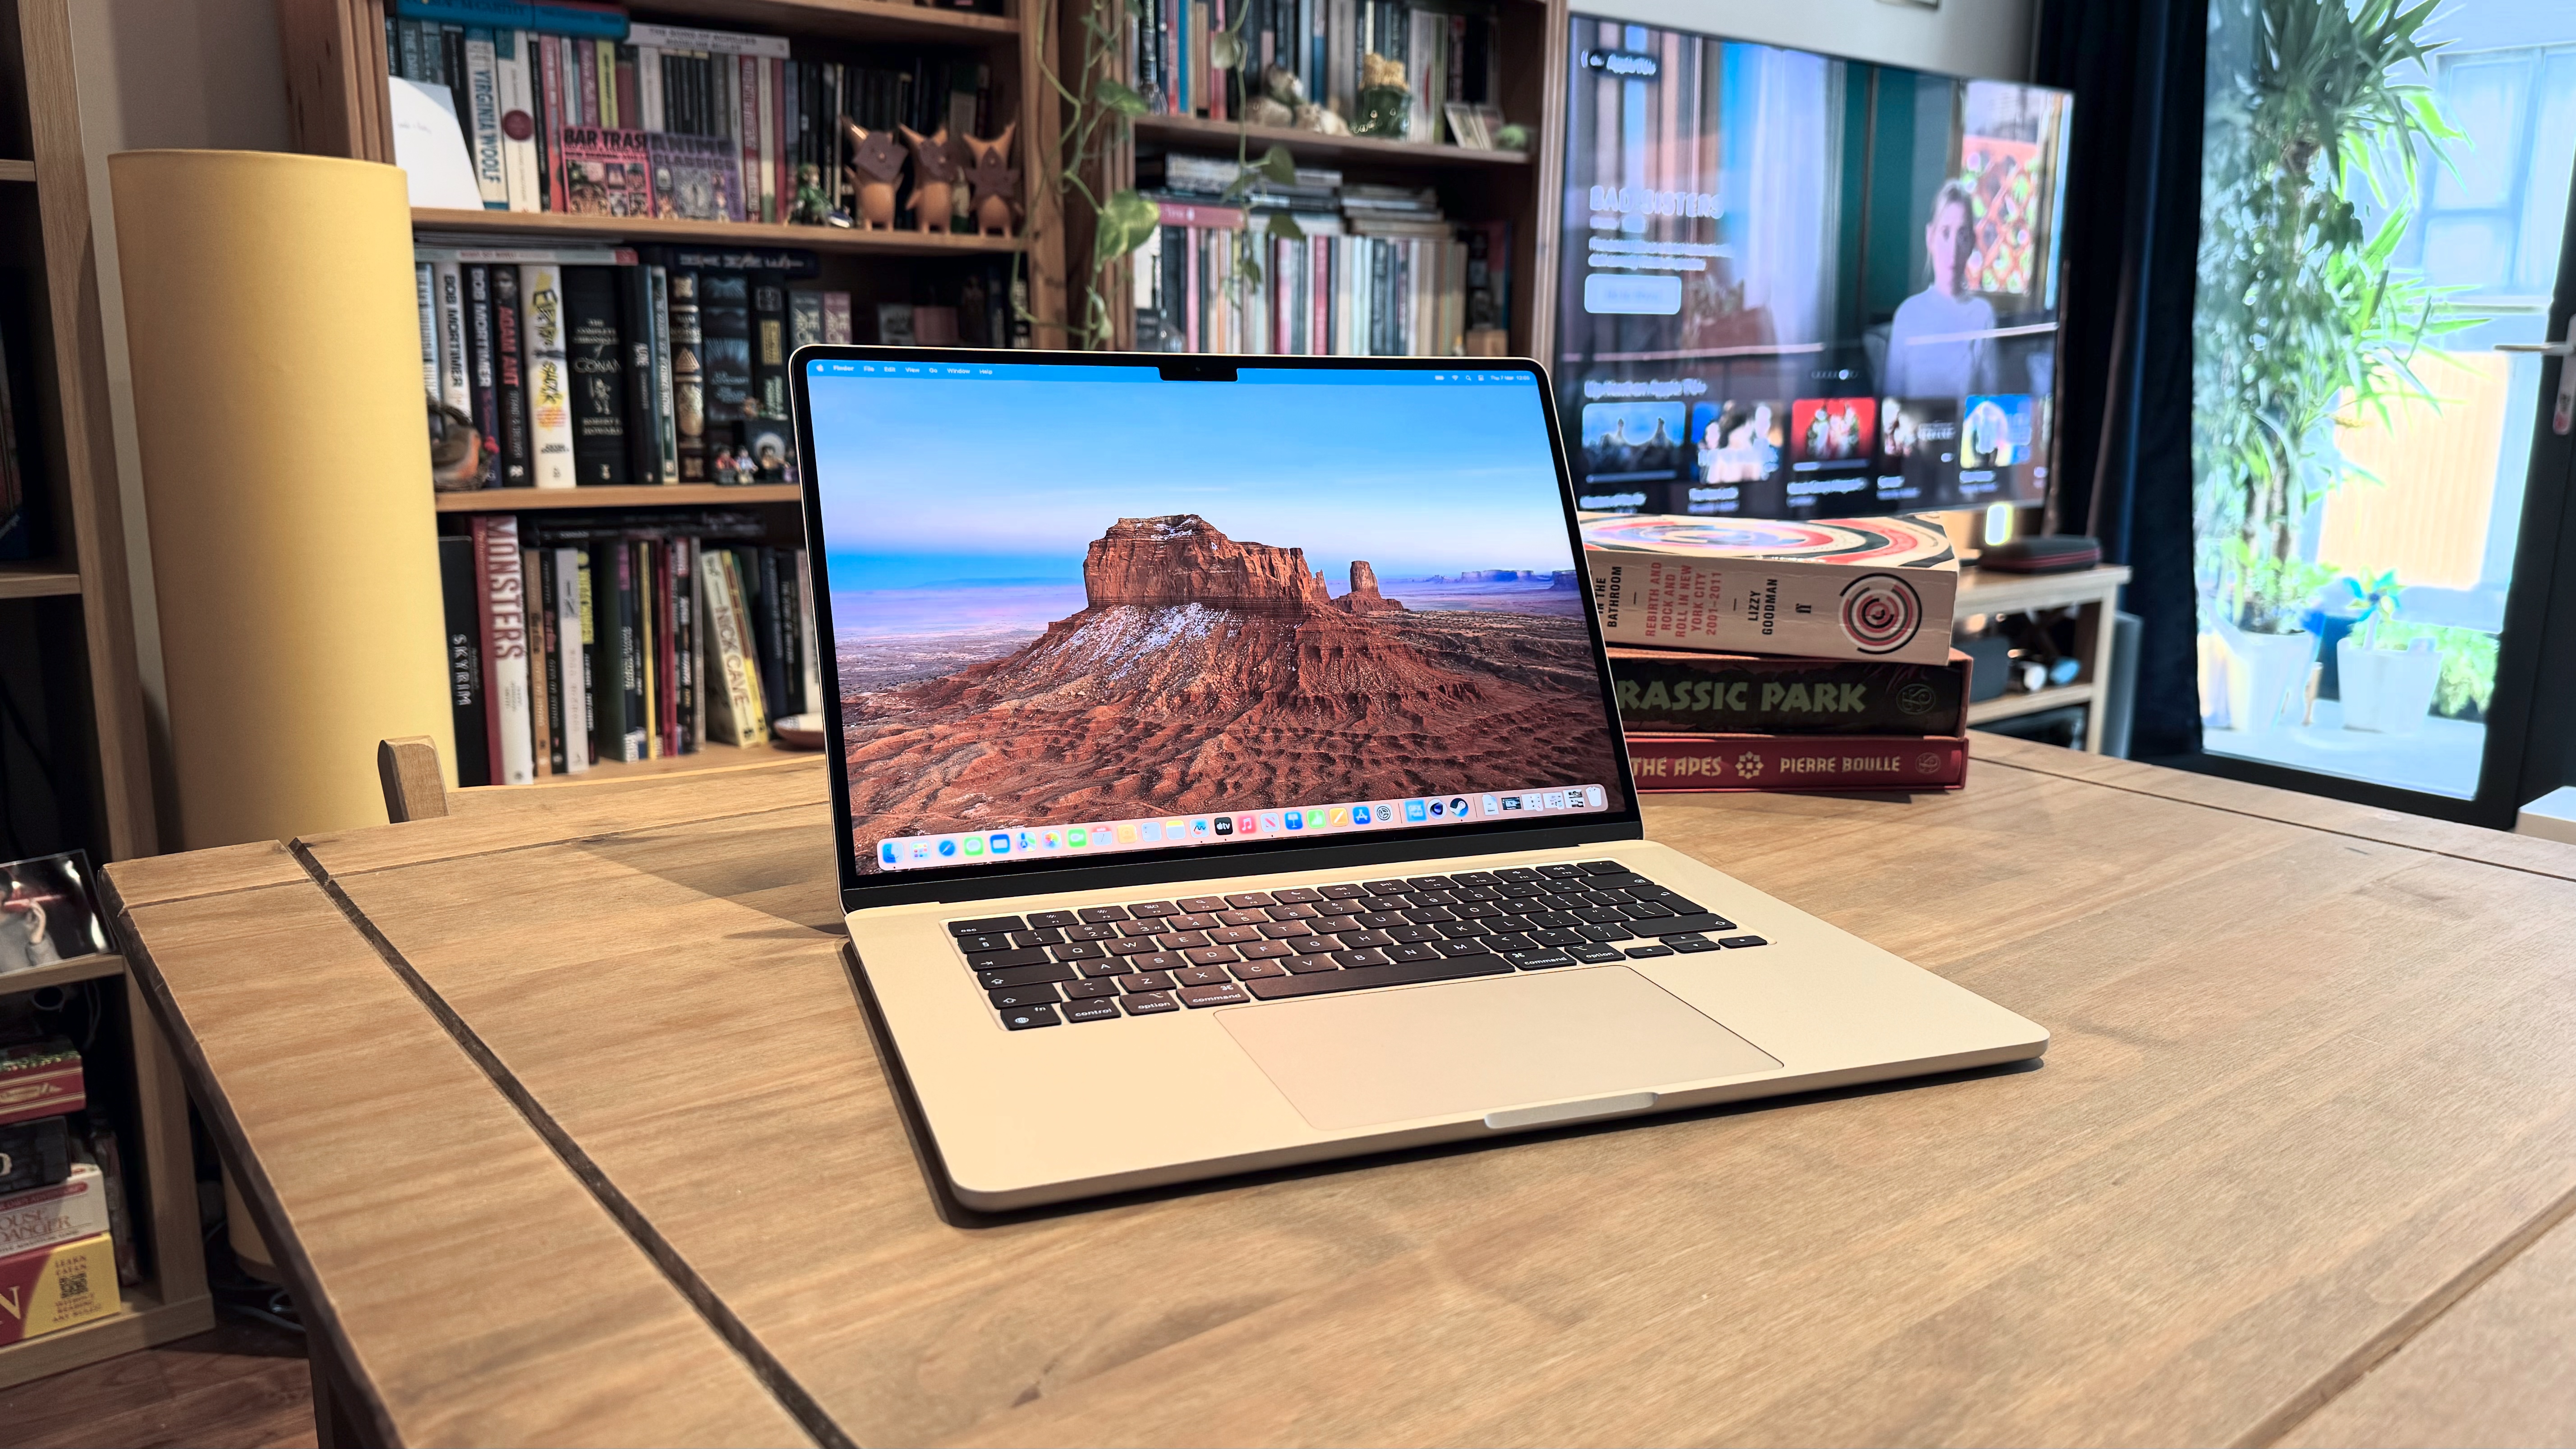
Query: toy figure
[(934, 178), (1281, 94), (1384, 98), (812, 208), (876, 163), (996, 183)]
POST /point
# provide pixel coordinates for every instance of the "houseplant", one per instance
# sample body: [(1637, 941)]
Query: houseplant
[(2385, 691)]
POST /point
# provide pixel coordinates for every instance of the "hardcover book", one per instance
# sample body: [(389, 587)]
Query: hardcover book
[(1674, 691), (35, 1153), (688, 378), (695, 178), (45, 1290), (596, 364), (503, 595), (1799, 762), (724, 324), (607, 172), (40, 1079), (1850, 588), (75, 1207), (457, 575)]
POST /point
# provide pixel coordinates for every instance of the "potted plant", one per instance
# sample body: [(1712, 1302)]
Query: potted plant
[(2267, 646), (2385, 691)]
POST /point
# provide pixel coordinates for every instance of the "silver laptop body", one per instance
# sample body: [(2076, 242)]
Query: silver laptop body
[(1226, 776)]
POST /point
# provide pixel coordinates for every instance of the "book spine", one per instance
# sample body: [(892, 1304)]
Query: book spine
[(648, 637), (596, 371), (612, 661), (505, 646), (636, 343), (728, 701), (542, 716), (487, 379), (1663, 692), (769, 347), (773, 139), (648, 89), (518, 120), (810, 646), (632, 667), (690, 711), (666, 639), (482, 107), (567, 636), (509, 378), (592, 586), (772, 644), (1798, 762), (747, 135), (752, 704), (688, 377), (455, 380), (425, 284), (1773, 606), (551, 91), (666, 428), (630, 90), (460, 598), (549, 380), (791, 637)]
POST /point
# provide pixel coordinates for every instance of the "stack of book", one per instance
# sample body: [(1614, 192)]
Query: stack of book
[(1359, 269), (1783, 656), (568, 106), (578, 640), (58, 1251), (1450, 54)]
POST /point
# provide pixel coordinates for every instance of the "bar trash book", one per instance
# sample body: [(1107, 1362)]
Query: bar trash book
[(1842, 588)]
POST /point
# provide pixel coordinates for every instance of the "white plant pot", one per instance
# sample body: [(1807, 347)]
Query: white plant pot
[(2386, 691), (2264, 669)]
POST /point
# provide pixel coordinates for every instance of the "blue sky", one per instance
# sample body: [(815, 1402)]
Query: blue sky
[(928, 481)]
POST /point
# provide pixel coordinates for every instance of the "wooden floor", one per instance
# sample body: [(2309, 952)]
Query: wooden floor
[(241, 1386)]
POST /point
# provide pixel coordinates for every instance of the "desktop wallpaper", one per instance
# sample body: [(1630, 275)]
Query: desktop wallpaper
[(1059, 602)]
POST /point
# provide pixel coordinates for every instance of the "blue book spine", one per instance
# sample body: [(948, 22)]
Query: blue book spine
[(517, 15)]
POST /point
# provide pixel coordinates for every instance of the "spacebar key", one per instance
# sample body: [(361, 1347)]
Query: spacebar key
[(1361, 978)]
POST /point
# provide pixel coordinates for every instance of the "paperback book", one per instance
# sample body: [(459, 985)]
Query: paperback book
[(1673, 691), (1798, 762), (1843, 588)]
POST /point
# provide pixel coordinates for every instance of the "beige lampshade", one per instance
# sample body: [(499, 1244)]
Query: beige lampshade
[(270, 315)]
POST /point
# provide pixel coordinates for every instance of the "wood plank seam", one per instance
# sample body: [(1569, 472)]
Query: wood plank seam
[(312, 1307), (2285, 1420), (1995, 764), (321, 873), (791, 1394)]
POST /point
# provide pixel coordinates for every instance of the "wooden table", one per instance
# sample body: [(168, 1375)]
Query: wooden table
[(565, 1120)]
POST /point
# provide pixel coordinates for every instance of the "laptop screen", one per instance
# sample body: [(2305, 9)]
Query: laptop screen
[(1083, 612)]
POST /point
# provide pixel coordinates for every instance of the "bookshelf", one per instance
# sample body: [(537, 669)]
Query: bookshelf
[(540, 227), (73, 604), (684, 495)]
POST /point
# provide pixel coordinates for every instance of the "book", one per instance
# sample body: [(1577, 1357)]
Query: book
[(804, 319), (688, 378), (724, 327), (510, 386), (1871, 588), (455, 384), (644, 711), (40, 1217), (457, 576), (34, 1153), (482, 109), (46, 1290), (571, 605), (501, 593), (549, 381), (485, 375), (425, 284), (518, 124), (596, 368), (769, 347), (734, 713), (666, 428), (40, 1079), (810, 649), (694, 179), (836, 319), (1672, 691), (639, 343), (607, 172), (544, 718), (1798, 762), (556, 16)]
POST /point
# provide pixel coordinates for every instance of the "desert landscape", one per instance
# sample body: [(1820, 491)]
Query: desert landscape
[(1203, 672)]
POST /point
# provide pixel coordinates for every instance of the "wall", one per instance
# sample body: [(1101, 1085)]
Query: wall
[(189, 74), (1985, 38)]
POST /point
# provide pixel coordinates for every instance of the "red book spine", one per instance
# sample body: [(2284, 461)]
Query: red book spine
[(550, 70), (1799, 762)]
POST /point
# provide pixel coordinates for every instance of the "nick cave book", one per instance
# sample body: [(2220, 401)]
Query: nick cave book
[(1837, 588)]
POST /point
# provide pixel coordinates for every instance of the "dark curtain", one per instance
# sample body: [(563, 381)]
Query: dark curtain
[(2132, 232)]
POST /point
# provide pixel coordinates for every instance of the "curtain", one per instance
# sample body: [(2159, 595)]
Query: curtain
[(2133, 231)]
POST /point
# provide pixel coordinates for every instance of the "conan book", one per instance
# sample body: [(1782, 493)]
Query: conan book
[(1676, 691), (597, 364), (1843, 588)]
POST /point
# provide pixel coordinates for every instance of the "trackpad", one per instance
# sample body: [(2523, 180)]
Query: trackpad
[(1493, 1044)]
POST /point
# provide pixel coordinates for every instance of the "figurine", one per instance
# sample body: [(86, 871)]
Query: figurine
[(876, 163), (996, 183), (456, 457), (934, 178), (1385, 100), (812, 207), (1281, 94)]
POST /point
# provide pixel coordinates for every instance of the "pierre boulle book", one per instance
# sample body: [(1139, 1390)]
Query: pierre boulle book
[(1836, 588), (1675, 691), (597, 366), (1798, 762), (607, 172)]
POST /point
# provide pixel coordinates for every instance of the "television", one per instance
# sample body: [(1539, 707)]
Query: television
[(1793, 286)]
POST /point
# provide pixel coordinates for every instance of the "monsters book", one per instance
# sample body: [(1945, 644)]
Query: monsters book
[(1840, 588)]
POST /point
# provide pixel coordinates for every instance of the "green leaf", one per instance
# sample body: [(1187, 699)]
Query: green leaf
[(1284, 227), (1225, 50), (1126, 220), (1118, 96), (1278, 165)]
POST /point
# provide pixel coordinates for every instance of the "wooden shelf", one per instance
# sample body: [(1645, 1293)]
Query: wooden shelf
[(708, 757), (847, 19), (63, 973), (540, 228), (18, 171), (1981, 592), (1304, 145), (1986, 711), (39, 580), (684, 495), (141, 1323)]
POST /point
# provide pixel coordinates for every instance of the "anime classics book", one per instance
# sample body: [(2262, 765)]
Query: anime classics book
[(1836, 588), (607, 172), (695, 178), (1799, 762), (1681, 691)]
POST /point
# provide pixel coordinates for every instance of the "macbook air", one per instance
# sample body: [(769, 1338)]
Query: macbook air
[(1226, 775)]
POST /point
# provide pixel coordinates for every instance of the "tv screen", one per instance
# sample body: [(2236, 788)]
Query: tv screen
[(1793, 286)]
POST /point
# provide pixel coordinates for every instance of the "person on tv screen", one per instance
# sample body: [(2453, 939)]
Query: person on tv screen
[(1936, 347)]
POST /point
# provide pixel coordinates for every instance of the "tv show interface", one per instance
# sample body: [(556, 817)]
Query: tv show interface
[(1071, 616), (1801, 287)]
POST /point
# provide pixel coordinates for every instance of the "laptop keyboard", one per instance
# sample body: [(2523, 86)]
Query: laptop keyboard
[(1100, 963)]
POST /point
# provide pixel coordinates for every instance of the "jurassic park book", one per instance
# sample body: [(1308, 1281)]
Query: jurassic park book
[(1798, 762), (1835, 588), (1677, 691)]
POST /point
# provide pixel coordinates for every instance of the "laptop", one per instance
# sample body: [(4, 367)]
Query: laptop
[(1226, 775)]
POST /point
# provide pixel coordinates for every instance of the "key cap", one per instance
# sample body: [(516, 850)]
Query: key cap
[(998, 960), (1201, 975), (1092, 1011), (1297, 895), (1048, 936), (1264, 950), (1366, 957), (1554, 920), (1559, 872), (1486, 892), (1246, 900), (1681, 925), (1409, 952), (1113, 966), (1010, 996), (1399, 974), (1602, 915), (1148, 910), (1149, 1003), (1182, 940), (1022, 976), (986, 926), (1594, 955), (1508, 941), (1021, 1018), (1310, 945), (1308, 965), (1094, 933), (1380, 920), (1473, 946), (1428, 882), (1144, 981), (1141, 928), (1690, 945), (1516, 873), (1538, 960), (1477, 910), (1097, 914), (1738, 943), (1514, 925), (1291, 911), (1343, 892), (1203, 904), (1352, 940), (1085, 990), (1521, 890), (1641, 952), (1211, 955), (973, 945), (1286, 930), (1411, 933), (1077, 951), (1231, 919), (1041, 919), (1645, 911), (1232, 935), (1131, 946), (1255, 970), (1472, 878), (1557, 937), (1195, 921), (1385, 887), (1462, 930), (1600, 867), (1227, 994), (1606, 934), (1159, 961)]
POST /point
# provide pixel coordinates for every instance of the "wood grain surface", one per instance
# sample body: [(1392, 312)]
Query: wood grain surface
[(2308, 1092), (442, 1247)]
